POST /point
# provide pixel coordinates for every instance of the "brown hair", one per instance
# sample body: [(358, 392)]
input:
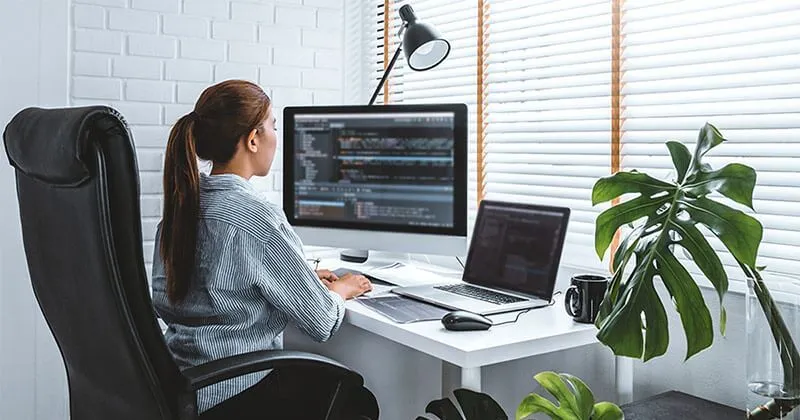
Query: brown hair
[(223, 115)]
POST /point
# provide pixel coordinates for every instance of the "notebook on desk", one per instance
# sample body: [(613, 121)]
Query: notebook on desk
[(512, 262)]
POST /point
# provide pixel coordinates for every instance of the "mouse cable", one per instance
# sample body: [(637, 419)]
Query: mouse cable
[(552, 302), (459, 261), (514, 320)]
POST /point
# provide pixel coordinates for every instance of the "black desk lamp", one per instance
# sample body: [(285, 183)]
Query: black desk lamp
[(425, 49), (423, 44)]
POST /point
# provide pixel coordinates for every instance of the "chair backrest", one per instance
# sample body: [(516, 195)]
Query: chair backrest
[(78, 190)]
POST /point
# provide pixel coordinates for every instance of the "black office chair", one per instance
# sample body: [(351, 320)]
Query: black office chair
[(78, 189)]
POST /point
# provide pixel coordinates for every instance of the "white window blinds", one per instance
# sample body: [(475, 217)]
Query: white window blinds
[(548, 106), (452, 81), (547, 88), (735, 64)]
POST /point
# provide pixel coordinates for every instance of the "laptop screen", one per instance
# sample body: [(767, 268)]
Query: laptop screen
[(517, 247)]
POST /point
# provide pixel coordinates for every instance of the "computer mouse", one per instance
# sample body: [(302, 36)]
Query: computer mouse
[(465, 321)]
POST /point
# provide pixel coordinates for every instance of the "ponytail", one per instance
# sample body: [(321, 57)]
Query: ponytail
[(181, 208), (223, 115)]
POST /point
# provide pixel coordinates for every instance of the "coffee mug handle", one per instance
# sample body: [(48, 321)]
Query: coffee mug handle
[(572, 293)]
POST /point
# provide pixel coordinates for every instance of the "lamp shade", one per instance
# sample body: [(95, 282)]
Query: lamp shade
[(423, 45)]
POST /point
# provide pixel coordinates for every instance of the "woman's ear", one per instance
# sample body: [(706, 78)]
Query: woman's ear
[(252, 144)]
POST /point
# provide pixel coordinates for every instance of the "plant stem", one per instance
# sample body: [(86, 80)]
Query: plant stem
[(790, 358)]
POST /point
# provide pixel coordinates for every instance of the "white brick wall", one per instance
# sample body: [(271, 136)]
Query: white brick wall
[(151, 59)]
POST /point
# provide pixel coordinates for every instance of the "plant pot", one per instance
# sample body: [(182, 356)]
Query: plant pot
[(769, 388)]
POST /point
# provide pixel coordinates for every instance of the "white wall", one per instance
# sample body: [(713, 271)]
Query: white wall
[(151, 59), (33, 71)]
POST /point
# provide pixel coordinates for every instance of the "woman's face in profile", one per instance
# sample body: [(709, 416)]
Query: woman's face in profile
[(268, 143)]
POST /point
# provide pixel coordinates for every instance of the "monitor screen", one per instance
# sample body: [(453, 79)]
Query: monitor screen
[(517, 247), (382, 168)]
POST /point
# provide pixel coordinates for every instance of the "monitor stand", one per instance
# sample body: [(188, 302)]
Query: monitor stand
[(354, 255)]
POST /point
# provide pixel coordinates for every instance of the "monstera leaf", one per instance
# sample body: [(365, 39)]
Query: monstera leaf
[(474, 405), (575, 400), (665, 216)]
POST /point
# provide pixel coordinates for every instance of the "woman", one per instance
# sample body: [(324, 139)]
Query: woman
[(229, 272)]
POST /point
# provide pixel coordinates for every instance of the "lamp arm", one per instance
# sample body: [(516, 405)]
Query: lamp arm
[(385, 75)]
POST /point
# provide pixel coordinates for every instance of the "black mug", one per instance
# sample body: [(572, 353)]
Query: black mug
[(584, 296)]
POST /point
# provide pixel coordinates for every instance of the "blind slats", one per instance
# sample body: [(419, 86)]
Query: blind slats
[(547, 104), (548, 91), (734, 64)]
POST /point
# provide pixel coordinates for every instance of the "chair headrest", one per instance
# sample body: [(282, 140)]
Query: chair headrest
[(51, 144)]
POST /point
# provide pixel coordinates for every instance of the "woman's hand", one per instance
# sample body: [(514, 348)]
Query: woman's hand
[(327, 275), (349, 286)]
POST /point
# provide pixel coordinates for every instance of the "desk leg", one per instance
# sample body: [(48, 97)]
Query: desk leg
[(454, 377), (624, 379)]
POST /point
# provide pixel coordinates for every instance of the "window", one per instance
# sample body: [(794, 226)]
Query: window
[(548, 107), (571, 91), (735, 64)]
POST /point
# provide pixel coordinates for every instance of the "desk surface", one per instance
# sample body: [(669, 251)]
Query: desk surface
[(538, 331)]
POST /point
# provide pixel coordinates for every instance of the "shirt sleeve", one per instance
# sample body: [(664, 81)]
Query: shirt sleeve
[(293, 287)]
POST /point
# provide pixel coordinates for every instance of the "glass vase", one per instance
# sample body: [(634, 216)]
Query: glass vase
[(772, 392)]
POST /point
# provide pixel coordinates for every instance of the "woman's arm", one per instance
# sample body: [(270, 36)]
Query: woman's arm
[(294, 288)]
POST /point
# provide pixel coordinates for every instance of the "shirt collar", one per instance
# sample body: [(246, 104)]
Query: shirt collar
[(224, 182)]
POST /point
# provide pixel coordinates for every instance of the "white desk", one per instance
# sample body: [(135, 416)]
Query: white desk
[(464, 354), (536, 332)]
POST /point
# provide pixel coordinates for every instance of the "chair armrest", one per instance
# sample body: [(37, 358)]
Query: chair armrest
[(230, 367)]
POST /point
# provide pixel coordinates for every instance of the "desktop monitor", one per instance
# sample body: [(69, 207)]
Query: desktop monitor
[(390, 178)]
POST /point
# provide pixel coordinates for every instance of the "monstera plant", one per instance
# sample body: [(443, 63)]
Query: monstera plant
[(575, 402), (575, 399), (662, 218), (474, 406)]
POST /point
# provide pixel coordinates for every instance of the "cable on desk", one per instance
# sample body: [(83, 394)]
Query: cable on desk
[(552, 302), (459, 261), (515, 319)]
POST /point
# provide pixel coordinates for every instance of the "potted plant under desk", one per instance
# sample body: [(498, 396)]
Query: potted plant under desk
[(660, 224)]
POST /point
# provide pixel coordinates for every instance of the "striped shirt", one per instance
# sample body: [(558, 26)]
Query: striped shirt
[(250, 279)]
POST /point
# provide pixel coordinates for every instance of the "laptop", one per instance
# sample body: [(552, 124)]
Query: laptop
[(512, 261)]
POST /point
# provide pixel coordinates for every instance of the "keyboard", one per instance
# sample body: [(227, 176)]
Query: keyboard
[(480, 293)]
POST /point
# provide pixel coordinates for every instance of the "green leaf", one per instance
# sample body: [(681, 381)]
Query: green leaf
[(611, 187), (632, 319), (681, 158), (444, 409), (740, 233), (689, 301), (723, 320), (735, 181), (534, 403), (474, 405), (611, 219), (708, 139), (693, 241), (627, 246), (656, 324), (478, 406), (556, 386), (607, 411), (622, 331), (583, 395)]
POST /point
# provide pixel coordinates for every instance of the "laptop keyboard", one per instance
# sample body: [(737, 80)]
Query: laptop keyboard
[(480, 293)]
